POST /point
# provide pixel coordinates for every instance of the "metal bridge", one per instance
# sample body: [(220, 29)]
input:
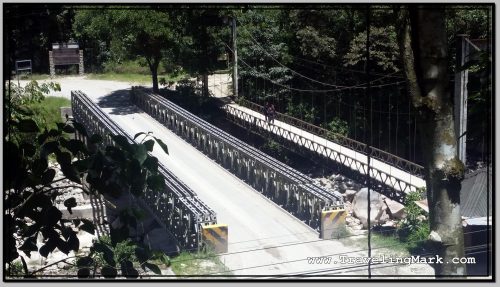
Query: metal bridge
[(260, 231), (287, 187), (177, 207), (394, 175)]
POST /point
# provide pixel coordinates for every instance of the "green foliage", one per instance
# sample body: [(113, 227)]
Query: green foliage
[(302, 111), (199, 263), (19, 97), (275, 149), (337, 127), (412, 229), (30, 191), (384, 51), (47, 113)]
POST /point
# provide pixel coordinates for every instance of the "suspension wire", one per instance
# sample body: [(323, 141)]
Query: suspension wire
[(397, 120), (368, 146), (390, 123), (288, 68), (360, 86), (346, 69), (355, 116), (409, 130), (304, 259), (414, 138), (380, 132)]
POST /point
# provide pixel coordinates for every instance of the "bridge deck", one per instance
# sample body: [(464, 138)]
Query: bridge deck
[(254, 222), (305, 138)]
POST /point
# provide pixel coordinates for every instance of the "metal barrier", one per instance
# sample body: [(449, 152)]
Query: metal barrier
[(290, 189), (353, 158), (379, 154), (177, 207)]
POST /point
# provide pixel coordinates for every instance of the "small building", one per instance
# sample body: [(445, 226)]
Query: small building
[(65, 54)]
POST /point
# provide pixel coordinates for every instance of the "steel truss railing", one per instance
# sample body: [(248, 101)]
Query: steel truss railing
[(290, 189), (398, 162), (397, 187), (177, 207)]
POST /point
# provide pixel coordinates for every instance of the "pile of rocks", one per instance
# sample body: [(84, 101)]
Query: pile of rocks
[(383, 211)]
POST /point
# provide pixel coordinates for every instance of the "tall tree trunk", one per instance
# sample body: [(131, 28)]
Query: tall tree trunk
[(204, 87), (423, 47), (153, 67)]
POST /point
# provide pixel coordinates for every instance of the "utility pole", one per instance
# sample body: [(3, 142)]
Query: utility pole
[(235, 59), (460, 99)]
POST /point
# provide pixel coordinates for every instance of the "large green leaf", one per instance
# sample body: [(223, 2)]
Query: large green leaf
[(156, 182), (83, 273), (162, 145), (141, 153), (87, 226), (48, 176), (51, 216), (149, 144), (107, 253), (152, 267), (151, 163), (109, 272), (28, 126), (84, 261), (70, 203), (28, 246)]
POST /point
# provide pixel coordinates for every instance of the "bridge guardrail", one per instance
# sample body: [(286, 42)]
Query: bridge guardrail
[(386, 157), (394, 186), (178, 208), (290, 189)]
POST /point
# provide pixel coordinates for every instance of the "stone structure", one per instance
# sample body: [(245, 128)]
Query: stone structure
[(65, 54)]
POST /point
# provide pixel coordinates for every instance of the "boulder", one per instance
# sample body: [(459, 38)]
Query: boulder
[(349, 194), (377, 205), (396, 209), (323, 181)]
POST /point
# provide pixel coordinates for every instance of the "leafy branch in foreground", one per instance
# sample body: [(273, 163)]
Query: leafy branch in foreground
[(30, 193)]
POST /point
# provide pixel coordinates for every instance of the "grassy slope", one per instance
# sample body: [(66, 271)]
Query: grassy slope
[(47, 113), (188, 263)]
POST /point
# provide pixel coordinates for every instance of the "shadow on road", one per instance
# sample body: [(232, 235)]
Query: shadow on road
[(119, 102)]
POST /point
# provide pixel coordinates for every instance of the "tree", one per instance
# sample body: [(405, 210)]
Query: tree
[(423, 46), (133, 32), (202, 44)]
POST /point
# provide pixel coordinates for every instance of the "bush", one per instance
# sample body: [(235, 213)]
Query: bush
[(412, 229), (127, 67)]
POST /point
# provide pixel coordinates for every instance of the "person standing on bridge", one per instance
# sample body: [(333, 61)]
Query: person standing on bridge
[(266, 111), (271, 113)]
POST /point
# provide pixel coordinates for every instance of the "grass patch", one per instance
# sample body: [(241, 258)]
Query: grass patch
[(47, 113), (133, 77), (382, 244), (200, 263)]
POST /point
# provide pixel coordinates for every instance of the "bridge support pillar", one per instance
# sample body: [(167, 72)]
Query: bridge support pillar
[(333, 223)]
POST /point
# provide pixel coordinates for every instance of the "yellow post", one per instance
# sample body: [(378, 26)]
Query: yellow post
[(333, 223), (216, 236)]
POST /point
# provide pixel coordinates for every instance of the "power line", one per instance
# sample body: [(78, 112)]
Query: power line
[(317, 63), (306, 77), (303, 259), (259, 75), (291, 244)]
